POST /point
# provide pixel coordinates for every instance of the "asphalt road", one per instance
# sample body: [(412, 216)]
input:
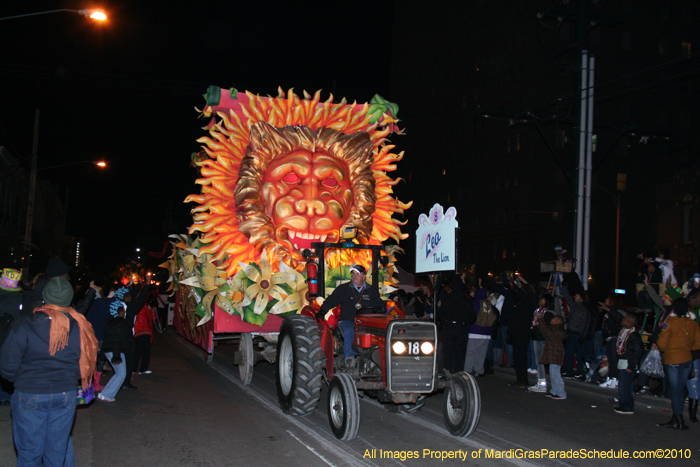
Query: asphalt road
[(192, 413)]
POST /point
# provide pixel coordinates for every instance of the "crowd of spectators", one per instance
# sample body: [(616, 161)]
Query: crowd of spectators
[(55, 338), (562, 332)]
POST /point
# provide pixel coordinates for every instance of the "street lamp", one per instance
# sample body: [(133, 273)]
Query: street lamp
[(97, 15), (101, 164)]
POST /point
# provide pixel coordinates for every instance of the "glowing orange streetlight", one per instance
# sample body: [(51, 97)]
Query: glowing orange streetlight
[(97, 15)]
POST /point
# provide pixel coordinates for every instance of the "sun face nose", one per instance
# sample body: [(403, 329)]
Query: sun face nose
[(311, 207)]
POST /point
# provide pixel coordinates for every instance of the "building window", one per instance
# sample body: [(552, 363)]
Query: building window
[(686, 50), (687, 218)]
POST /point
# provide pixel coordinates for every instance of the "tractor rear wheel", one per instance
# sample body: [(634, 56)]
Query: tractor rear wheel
[(462, 415), (343, 407), (299, 364)]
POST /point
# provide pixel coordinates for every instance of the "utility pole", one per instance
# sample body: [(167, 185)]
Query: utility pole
[(588, 173), (583, 121), (32, 194)]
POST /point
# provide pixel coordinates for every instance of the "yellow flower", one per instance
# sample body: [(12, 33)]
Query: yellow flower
[(295, 301), (265, 284)]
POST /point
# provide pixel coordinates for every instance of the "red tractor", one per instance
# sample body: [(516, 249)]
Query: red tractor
[(395, 364)]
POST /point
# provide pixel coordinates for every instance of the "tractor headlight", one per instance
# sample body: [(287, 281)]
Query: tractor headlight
[(427, 348), (398, 347)]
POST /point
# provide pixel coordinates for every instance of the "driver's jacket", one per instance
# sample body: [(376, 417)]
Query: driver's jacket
[(347, 296)]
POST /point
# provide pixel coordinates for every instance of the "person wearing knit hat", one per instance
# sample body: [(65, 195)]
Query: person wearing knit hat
[(57, 268), (58, 292), (45, 356)]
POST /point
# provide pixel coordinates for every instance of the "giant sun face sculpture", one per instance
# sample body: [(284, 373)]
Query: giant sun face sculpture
[(297, 186), (280, 173)]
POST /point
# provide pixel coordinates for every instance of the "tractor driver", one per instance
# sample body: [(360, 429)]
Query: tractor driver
[(353, 297)]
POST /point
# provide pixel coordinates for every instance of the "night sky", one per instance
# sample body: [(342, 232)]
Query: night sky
[(125, 91)]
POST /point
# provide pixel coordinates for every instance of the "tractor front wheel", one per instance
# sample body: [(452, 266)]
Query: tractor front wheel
[(462, 409), (343, 407)]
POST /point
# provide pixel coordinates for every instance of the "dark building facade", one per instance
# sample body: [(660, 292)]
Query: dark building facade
[(489, 95), (678, 225), (48, 224)]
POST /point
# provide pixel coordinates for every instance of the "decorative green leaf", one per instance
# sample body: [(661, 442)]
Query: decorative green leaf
[(200, 310), (213, 95), (249, 315), (340, 273), (379, 106)]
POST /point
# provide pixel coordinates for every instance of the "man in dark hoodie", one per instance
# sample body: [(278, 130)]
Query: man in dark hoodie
[(45, 356), (519, 330), (456, 314)]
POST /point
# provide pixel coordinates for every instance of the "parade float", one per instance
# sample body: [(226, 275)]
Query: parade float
[(278, 173), (295, 191)]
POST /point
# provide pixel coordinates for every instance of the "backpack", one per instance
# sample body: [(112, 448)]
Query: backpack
[(487, 314)]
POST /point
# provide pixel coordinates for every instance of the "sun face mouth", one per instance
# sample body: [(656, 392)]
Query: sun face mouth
[(301, 241)]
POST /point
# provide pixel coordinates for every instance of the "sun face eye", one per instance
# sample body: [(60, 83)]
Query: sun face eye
[(330, 182), (291, 178)]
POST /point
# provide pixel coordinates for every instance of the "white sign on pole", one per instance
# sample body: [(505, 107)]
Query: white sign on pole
[(436, 241)]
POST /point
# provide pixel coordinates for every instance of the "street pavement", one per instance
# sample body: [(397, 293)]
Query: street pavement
[(192, 413)]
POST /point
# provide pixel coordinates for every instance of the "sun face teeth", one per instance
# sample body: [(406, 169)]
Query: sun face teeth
[(305, 236)]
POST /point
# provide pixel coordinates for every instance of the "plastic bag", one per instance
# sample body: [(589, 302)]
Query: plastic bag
[(85, 396), (652, 365)]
